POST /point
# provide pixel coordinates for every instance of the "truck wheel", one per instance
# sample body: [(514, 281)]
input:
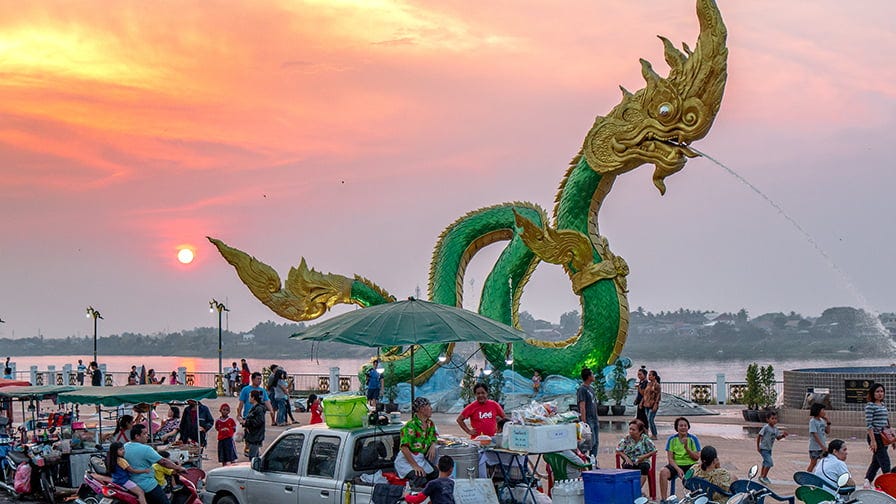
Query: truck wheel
[(227, 499)]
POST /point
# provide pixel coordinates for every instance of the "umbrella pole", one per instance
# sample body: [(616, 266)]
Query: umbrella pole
[(412, 375)]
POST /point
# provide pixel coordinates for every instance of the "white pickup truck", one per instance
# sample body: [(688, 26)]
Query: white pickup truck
[(312, 463)]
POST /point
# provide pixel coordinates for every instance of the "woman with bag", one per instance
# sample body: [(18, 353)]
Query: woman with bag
[(877, 420)]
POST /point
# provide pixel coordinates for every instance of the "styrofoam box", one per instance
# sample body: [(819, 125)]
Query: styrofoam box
[(540, 438)]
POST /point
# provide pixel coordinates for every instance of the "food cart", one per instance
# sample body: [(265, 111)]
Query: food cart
[(55, 438)]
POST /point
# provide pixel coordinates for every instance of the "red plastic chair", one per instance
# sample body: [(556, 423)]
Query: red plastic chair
[(886, 483), (651, 474)]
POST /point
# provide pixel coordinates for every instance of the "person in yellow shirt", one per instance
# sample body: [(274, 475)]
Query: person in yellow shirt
[(162, 473)]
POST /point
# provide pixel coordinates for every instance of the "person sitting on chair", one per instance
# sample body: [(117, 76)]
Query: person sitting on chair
[(833, 465), (418, 446), (636, 449), (712, 471)]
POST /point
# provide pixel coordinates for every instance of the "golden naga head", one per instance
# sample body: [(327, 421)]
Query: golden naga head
[(657, 123)]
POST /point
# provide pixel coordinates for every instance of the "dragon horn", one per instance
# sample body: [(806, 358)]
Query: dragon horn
[(647, 71), (674, 57)]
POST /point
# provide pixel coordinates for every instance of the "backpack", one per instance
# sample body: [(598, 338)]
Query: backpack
[(22, 481)]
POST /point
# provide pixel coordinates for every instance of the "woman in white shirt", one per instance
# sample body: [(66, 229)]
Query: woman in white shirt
[(834, 464)]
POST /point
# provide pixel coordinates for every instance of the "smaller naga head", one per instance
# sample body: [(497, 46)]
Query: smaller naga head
[(657, 123)]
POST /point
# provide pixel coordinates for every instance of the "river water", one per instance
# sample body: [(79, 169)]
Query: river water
[(669, 371)]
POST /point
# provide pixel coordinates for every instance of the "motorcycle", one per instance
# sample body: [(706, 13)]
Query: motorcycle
[(40, 458), (98, 488), (807, 493), (752, 495)]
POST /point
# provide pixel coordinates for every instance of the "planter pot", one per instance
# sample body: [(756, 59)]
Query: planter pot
[(752, 415), (618, 410), (603, 409), (391, 407)]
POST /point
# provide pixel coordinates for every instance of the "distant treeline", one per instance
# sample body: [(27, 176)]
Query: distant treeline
[(267, 339), (842, 332)]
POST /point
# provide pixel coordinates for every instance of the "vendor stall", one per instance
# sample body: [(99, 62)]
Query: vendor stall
[(50, 435), (150, 394)]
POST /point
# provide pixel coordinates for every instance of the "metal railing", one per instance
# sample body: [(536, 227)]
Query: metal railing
[(298, 382), (707, 392)]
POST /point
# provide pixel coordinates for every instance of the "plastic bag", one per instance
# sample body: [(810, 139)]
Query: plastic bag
[(22, 481), (536, 413)]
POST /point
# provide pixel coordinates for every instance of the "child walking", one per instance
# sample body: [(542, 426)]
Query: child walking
[(315, 408), (120, 471), (226, 428), (768, 434), (819, 428)]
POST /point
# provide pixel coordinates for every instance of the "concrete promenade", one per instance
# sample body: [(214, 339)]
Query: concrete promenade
[(726, 432)]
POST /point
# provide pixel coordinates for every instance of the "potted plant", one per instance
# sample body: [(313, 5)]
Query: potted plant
[(768, 394), (753, 394), (620, 389), (390, 387), (495, 383), (467, 383), (600, 392)]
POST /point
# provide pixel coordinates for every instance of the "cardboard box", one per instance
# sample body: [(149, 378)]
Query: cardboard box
[(540, 438)]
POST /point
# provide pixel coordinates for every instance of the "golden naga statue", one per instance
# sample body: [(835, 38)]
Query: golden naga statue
[(654, 125)]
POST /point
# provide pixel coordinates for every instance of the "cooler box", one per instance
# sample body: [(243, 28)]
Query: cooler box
[(345, 412), (612, 486), (540, 438)]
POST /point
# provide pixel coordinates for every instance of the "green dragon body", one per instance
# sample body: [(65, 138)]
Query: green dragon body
[(652, 126)]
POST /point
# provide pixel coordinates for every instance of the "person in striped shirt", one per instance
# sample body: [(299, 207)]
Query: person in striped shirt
[(876, 420)]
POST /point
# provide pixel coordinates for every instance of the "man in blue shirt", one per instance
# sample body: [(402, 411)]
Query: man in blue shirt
[(242, 409), (142, 456), (374, 384)]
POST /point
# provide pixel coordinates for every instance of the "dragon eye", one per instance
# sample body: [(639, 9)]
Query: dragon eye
[(665, 109)]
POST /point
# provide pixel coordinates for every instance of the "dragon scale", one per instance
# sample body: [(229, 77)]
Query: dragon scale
[(654, 126)]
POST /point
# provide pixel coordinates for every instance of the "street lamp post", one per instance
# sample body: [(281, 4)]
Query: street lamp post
[(96, 315), (212, 306)]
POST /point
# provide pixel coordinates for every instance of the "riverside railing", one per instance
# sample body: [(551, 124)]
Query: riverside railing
[(299, 383), (709, 392), (700, 392)]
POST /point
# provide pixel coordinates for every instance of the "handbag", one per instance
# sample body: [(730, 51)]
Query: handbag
[(888, 436)]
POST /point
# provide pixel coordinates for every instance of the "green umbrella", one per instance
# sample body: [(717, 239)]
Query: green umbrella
[(411, 322)]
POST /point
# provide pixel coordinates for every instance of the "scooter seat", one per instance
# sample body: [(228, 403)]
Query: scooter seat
[(18, 457)]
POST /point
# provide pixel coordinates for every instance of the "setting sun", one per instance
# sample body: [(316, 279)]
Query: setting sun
[(185, 256)]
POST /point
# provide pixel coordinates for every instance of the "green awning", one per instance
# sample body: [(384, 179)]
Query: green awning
[(34, 392), (133, 394)]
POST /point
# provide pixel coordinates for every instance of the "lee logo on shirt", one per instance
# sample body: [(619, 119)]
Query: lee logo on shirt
[(485, 415)]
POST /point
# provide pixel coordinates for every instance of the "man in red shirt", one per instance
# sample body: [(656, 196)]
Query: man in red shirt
[(483, 413)]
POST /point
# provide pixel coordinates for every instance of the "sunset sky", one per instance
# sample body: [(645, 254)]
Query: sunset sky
[(352, 132)]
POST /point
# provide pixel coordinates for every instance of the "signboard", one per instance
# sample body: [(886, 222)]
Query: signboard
[(855, 390), (474, 491)]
